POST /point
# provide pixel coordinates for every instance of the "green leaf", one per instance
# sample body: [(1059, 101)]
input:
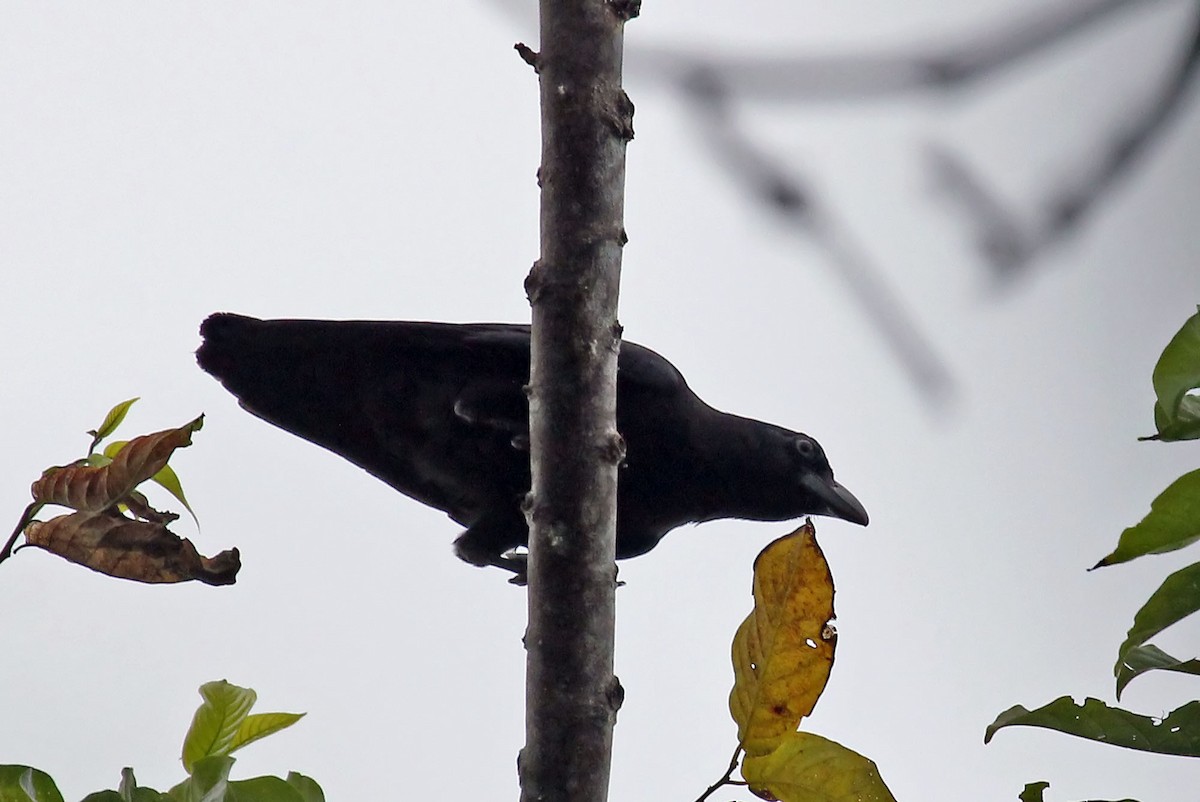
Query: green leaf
[(209, 781), (166, 478), (148, 795), (1033, 791), (111, 421), (127, 791), (260, 725), (1173, 522), (1176, 374), (1184, 426), (130, 791), (1149, 658), (217, 721), (1177, 734), (128, 784), (263, 789), (307, 786), (23, 784), (1176, 599)]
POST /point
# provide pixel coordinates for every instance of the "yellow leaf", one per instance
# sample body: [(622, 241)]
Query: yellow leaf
[(260, 725), (783, 651), (809, 768)]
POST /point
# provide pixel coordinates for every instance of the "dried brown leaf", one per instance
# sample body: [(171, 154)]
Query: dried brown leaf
[(141, 509), (93, 489), (144, 551)]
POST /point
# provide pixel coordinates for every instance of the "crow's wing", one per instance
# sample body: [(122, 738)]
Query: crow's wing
[(643, 377), (382, 395), (438, 411)]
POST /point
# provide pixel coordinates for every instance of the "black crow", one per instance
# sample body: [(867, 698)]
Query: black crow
[(439, 412)]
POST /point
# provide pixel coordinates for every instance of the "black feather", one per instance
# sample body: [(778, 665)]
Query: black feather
[(439, 412)]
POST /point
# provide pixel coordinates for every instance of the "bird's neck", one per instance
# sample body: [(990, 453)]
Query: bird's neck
[(732, 462)]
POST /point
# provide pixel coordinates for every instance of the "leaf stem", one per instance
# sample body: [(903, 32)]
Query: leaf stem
[(26, 517), (737, 753)]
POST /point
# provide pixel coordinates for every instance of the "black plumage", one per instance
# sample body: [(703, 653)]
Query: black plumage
[(439, 412)]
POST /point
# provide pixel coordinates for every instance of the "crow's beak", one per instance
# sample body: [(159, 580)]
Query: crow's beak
[(839, 502)]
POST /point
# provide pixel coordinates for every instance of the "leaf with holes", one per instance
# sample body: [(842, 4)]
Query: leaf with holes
[(1139, 660), (1177, 734), (1176, 598), (783, 651)]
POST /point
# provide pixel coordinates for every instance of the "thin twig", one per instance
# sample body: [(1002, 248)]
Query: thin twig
[(1005, 243), (868, 75), (737, 753), (964, 63), (882, 73), (26, 517), (774, 186)]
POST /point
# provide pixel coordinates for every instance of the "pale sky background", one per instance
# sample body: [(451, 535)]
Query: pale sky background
[(161, 161)]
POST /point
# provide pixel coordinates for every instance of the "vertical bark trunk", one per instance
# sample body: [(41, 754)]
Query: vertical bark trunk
[(571, 693)]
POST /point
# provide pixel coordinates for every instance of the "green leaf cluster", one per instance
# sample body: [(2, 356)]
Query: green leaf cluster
[(222, 724), (111, 527), (1172, 523), (165, 477)]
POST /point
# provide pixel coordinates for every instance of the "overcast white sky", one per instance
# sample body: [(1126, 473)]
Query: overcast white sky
[(161, 161)]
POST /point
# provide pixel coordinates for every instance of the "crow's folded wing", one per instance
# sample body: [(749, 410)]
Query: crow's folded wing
[(382, 395), (438, 411)]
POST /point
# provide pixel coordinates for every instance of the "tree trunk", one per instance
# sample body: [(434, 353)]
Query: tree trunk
[(571, 693)]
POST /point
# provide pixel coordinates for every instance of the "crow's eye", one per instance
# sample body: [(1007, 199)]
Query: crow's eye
[(806, 447)]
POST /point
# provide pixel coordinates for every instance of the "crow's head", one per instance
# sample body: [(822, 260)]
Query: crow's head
[(769, 473), (816, 490)]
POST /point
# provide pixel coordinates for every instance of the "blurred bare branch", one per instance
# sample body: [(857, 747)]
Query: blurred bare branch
[(713, 82), (869, 76), (792, 199), (1010, 247)]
